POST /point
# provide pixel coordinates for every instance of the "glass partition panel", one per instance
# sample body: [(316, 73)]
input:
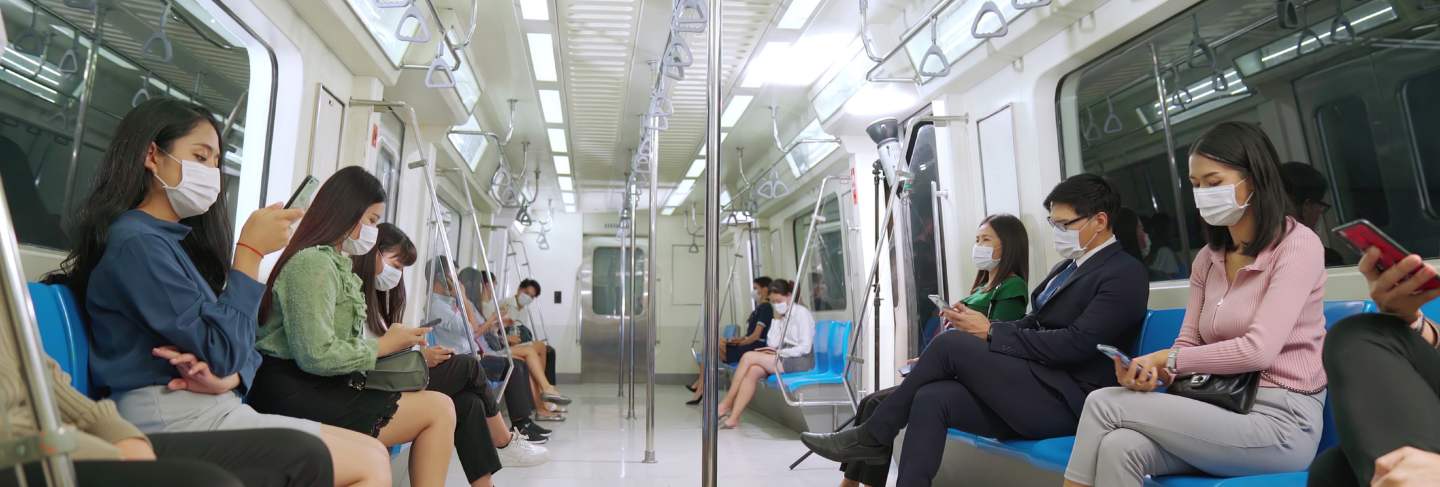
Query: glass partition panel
[(609, 263), (825, 284), (806, 156), (471, 147)]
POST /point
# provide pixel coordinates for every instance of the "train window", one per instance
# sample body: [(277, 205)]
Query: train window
[(471, 147), (42, 89), (606, 285), (806, 156), (1337, 105), (824, 286), (845, 83), (1422, 109), (953, 32), (383, 24)]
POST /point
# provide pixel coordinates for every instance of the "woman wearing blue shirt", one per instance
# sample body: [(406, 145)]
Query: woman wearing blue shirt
[(171, 315)]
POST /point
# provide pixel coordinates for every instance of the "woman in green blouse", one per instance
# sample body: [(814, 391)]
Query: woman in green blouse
[(1000, 255), (313, 341)]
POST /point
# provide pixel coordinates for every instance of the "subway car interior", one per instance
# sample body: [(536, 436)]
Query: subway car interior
[(720, 242)]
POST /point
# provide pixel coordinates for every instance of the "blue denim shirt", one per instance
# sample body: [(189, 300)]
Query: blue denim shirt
[(146, 293), (452, 332)]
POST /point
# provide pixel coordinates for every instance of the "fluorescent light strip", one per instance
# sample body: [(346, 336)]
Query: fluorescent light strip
[(771, 61), (542, 56), (568, 198), (798, 13), (681, 192), (735, 109), (566, 183), (696, 169), (562, 164), (557, 140), (570, 208), (535, 9), (551, 106), (669, 210)]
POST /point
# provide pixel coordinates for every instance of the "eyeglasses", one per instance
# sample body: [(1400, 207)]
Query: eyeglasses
[(1065, 225)]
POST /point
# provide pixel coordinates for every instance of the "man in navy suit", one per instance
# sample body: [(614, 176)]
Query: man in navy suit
[(1020, 379)]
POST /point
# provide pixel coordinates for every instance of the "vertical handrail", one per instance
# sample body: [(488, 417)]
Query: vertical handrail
[(485, 258), (52, 434), (634, 263), (651, 296), (1175, 183), (87, 90), (625, 284), (882, 237), (937, 235), (714, 105)]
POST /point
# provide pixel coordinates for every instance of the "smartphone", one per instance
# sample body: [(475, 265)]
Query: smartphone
[(306, 192), (1361, 235), (939, 302), (1113, 352), (430, 323), (905, 370)]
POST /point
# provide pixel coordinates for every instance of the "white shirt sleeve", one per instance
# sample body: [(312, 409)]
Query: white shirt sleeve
[(801, 336)]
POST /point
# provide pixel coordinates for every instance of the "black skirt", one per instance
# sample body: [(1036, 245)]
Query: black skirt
[(281, 387)]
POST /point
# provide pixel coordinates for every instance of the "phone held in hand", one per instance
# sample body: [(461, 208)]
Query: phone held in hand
[(430, 323), (939, 302), (1115, 353), (1361, 235), (304, 194), (905, 369)]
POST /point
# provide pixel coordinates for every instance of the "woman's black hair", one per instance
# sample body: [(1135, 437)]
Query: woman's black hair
[(121, 183), (1127, 232), (1245, 147), (1015, 251), (763, 281), (337, 207), (384, 307), (782, 287), (474, 281)]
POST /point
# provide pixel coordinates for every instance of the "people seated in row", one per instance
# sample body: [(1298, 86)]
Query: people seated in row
[(171, 314), (1384, 372), (480, 288), (788, 347), (1256, 307), (316, 354), (731, 349), (382, 281), (1001, 255), (518, 331), (1026, 378)]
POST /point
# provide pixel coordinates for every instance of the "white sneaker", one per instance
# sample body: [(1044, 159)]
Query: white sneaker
[(521, 453)]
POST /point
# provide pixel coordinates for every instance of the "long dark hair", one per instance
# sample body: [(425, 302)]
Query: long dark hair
[(1014, 257), (337, 207), (384, 307), (474, 281), (1245, 147), (121, 183)]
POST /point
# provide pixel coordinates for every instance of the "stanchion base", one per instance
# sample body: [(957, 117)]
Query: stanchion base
[(649, 457)]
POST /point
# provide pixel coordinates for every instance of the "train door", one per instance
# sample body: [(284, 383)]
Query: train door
[(928, 258), (602, 296)]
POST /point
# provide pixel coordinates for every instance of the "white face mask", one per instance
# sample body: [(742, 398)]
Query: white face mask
[(984, 257), (1217, 204), (1145, 248), (524, 299), (362, 245), (388, 278), (1067, 242), (198, 189), (781, 308)]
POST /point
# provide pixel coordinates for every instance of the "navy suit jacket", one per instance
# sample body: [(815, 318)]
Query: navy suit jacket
[(1104, 302)]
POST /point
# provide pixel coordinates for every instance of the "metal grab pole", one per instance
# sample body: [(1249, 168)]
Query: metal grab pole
[(634, 263), (712, 249), (54, 441), (485, 258), (627, 221), (651, 296), (82, 105), (1175, 183), (874, 274)]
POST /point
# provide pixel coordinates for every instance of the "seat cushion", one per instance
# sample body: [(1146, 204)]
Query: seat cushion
[(62, 331), (1160, 330), (1288, 479)]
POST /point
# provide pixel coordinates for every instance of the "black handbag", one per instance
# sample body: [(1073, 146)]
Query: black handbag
[(1235, 392), (398, 372)]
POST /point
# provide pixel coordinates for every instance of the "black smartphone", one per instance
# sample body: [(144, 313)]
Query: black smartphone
[(306, 192), (1361, 235), (905, 369), (430, 323)]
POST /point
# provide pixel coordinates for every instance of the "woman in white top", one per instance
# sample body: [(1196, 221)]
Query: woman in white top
[(789, 342)]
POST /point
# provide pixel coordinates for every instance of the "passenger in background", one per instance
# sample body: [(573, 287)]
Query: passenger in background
[(788, 341), (382, 281), (1384, 373), (734, 348), (482, 295), (1130, 234), (517, 330), (171, 315), (496, 364), (458, 334), (1162, 260), (1256, 307), (1015, 379), (1307, 188), (315, 348), (1001, 255)]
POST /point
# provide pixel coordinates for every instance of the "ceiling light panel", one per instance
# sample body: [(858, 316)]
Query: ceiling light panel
[(735, 109), (597, 40), (540, 9), (566, 183), (797, 14), (552, 107), (570, 208), (568, 198), (542, 56), (696, 169), (562, 164), (557, 140)]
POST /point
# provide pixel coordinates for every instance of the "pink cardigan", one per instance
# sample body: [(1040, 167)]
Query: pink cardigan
[(1270, 319)]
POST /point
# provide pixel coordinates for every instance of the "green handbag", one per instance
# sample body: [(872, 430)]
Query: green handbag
[(398, 372)]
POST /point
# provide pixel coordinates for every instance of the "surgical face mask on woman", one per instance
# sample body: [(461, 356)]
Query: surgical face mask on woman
[(388, 278), (984, 257), (1067, 242), (1218, 206), (524, 299), (197, 190), (782, 307), (362, 245)]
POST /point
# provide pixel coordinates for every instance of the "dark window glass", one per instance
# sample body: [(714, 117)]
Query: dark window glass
[(1422, 108), (824, 286), (606, 287)]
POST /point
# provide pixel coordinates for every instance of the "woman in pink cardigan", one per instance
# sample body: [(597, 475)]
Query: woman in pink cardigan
[(1256, 293)]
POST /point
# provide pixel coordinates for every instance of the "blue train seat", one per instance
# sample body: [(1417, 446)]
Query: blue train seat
[(1159, 332), (62, 331), (832, 345)]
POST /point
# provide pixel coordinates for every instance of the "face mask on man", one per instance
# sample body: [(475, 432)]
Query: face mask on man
[(524, 299), (362, 245), (1067, 242), (197, 190), (984, 257), (1217, 204), (388, 278)]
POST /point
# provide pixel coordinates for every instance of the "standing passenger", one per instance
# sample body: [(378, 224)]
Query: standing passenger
[(171, 315), (1256, 306)]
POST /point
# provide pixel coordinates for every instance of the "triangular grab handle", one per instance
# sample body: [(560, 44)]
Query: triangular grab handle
[(990, 8), (422, 34), (70, 62), (393, 3), (696, 20), (158, 46), (1019, 5)]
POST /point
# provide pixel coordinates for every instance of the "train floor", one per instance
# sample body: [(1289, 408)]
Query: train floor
[(597, 447)]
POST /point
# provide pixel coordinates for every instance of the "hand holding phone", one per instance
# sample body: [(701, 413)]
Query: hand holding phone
[(304, 194), (1114, 353), (905, 369), (939, 302), (431, 323), (1362, 235), (1400, 283)]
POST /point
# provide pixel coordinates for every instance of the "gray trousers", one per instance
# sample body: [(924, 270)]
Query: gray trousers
[(1125, 435), (156, 409)]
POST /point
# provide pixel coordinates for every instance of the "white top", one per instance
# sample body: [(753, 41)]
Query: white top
[(799, 333), (1081, 261)]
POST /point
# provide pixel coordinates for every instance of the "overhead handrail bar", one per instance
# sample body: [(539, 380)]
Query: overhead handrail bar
[(872, 74), (785, 150)]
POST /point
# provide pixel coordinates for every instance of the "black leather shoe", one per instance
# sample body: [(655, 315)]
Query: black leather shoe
[(846, 446), (695, 401)]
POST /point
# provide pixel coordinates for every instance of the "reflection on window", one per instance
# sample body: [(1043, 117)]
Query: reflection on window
[(1363, 19), (382, 22), (843, 86), (471, 147), (1350, 150), (824, 286), (387, 169), (1422, 108), (806, 156), (609, 264), (954, 31)]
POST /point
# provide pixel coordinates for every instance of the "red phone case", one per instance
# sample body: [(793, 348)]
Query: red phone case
[(1361, 235)]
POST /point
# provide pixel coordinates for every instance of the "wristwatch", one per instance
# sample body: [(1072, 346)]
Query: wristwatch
[(1170, 360)]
